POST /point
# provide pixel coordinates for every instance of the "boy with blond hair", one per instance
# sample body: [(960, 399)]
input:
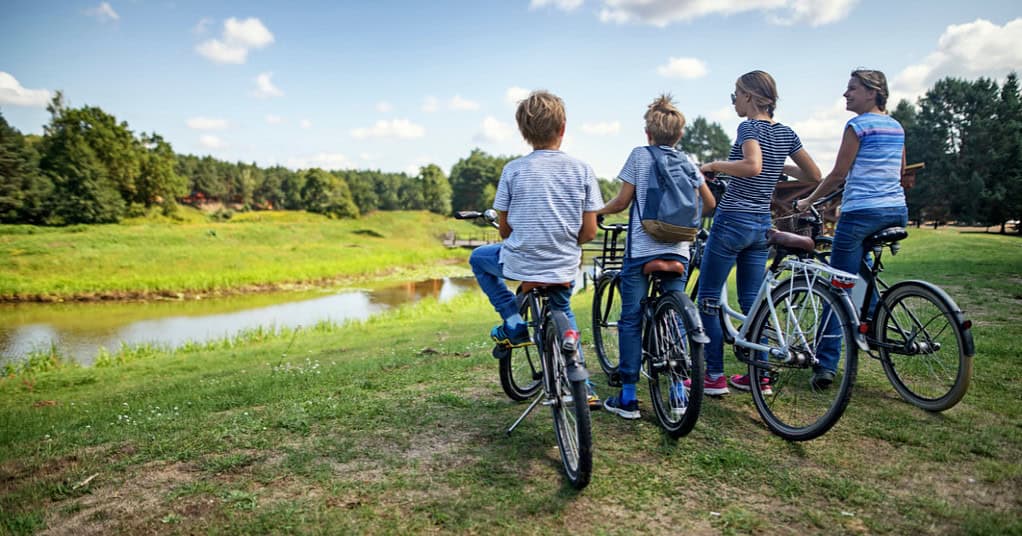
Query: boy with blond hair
[(546, 205), (664, 127)]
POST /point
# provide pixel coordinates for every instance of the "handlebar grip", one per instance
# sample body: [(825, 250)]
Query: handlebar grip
[(467, 214)]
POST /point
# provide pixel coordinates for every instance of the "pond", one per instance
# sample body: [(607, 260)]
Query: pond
[(79, 330)]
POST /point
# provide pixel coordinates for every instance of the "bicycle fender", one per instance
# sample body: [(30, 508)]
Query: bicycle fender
[(576, 371), (956, 312), (860, 338), (692, 320)]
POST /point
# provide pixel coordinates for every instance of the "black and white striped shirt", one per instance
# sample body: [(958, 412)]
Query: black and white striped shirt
[(777, 142)]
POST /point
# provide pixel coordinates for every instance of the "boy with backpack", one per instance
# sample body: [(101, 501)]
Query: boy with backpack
[(546, 205), (677, 183)]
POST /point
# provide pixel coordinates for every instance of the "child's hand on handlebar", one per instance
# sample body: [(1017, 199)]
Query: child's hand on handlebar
[(803, 205)]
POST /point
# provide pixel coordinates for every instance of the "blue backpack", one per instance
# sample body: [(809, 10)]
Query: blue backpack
[(673, 207)]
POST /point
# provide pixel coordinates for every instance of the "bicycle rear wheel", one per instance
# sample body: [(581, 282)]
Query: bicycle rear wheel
[(922, 346), (521, 371), (606, 313), (570, 407), (671, 357), (794, 408)]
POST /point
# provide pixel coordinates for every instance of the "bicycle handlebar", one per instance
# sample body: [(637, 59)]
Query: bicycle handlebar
[(489, 215), (612, 227)]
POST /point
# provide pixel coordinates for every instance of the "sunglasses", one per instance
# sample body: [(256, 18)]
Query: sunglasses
[(734, 98)]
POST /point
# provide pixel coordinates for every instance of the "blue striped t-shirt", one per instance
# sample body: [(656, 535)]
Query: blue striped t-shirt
[(776, 142), (544, 194), (875, 178)]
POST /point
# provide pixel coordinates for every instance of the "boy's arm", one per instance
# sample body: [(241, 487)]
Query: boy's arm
[(588, 230), (621, 202), (504, 229)]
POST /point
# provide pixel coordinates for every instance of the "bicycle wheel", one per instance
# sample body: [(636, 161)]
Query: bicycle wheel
[(922, 346), (795, 409), (521, 370), (670, 357), (606, 312), (570, 407)]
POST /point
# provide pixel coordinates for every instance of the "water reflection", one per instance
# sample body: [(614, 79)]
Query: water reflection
[(79, 330)]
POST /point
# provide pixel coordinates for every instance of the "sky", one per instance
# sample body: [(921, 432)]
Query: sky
[(395, 85)]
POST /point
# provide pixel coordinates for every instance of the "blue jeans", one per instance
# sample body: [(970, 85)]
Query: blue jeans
[(489, 272), (846, 254), (736, 237), (634, 285)]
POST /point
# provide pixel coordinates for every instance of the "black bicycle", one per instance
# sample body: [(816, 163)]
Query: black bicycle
[(551, 371), (917, 332), (672, 336)]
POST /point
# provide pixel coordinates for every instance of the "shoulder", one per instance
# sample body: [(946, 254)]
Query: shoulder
[(748, 129)]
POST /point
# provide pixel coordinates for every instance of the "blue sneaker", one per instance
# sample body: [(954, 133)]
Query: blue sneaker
[(626, 411), (511, 338), (679, 400)]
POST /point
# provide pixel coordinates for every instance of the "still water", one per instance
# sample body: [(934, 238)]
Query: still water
[(79, 330)]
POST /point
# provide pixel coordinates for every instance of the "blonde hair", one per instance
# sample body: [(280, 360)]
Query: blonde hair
[(762, 88), (664, 122), (876, 81), (540, 118)]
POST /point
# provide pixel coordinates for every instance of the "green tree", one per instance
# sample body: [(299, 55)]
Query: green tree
[(471, 177), (436, 189), (609, 188), (325, 193), (23, 190), (705, 141), (158, 180)]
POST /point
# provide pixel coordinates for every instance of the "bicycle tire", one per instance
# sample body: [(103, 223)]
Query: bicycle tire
[(921, 373), (670, 357), (796, 410), (521, 372), (572, 422), (606, 313)]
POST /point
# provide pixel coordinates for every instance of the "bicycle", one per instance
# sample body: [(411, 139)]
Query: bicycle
[(915, 329), (558, 377), (672, 336)]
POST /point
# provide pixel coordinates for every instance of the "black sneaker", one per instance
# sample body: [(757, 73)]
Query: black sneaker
[(511, 338), (822, 379), (628, 411)]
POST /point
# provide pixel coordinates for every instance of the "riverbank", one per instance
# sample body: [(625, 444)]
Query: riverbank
[(254, 252), (396, 425)]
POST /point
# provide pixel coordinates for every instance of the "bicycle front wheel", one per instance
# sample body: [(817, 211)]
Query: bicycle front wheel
[(606, 313), (521, 370), (570, 407), (922, 346), (670, 358), (812, 321)]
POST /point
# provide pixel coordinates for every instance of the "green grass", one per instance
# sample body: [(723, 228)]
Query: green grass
[(396, 425), (250, 252)]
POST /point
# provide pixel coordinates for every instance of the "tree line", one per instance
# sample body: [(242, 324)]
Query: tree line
[(89, 168)]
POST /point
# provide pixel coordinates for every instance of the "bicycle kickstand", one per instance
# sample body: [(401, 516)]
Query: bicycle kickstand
[(526, 413)]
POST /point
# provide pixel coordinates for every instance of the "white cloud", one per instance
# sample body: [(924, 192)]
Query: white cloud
[(971, 50), (660, 13), (602, 128), (320, 160), (395, 128), (493, 130), (12, 93), (265, 88), (684, 68), (430, 104), (239, 36), (305, 123), (413, 167), (384, 107), (206, 123), (564, 5), (459, 103), (210, 142), (515, 94), (202, 26), (273, 119), (104, 12)]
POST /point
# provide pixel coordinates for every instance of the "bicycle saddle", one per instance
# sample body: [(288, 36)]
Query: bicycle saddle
[(889, 235), (527, 286), (790, 241), (664, 266)]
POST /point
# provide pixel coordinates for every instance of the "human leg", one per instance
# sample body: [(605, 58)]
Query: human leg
[(485, 263)]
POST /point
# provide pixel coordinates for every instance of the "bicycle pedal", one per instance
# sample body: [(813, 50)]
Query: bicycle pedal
[(501, 351)]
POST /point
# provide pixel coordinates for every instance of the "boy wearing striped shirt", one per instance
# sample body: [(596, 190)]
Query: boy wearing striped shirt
[(546, 204)]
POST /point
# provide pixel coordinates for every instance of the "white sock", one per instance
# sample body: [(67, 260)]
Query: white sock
[(514, 321)]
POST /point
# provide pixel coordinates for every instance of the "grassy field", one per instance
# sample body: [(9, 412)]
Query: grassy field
[(395, 425), (258, 250)]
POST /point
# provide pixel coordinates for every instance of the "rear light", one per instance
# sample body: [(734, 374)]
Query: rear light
[(967, 324), (570, 340), (841, 282), (864, 328)]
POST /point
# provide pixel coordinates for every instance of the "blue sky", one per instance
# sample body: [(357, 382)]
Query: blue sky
[(394, 85)]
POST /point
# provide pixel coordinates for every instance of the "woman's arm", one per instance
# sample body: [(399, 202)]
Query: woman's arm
[(750, 165), (845, 158), (805, 168), (621, 202)]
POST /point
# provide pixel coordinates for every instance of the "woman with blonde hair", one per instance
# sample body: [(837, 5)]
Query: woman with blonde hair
[(738, 235)]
